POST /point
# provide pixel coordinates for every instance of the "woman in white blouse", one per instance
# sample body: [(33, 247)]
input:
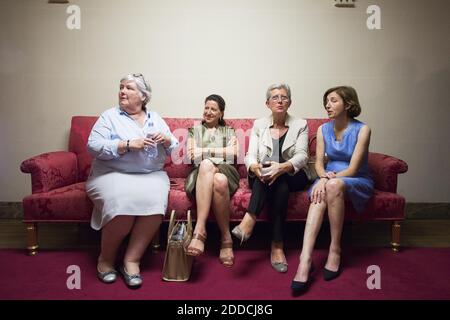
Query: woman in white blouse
[(127, 185), (277, 165)]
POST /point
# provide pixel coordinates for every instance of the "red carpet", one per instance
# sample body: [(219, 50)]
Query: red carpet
[(414, 273)]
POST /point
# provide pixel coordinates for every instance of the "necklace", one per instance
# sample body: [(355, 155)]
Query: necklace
[(211, 134)]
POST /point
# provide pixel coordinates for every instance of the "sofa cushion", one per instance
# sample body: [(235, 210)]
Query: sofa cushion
[(382, 206), (68, 204), (72, 204)]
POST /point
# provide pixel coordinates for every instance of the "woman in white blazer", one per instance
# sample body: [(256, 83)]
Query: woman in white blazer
[(277, 164)]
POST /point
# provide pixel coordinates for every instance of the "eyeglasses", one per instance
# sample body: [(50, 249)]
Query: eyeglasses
[(278, 98), (140, 75)]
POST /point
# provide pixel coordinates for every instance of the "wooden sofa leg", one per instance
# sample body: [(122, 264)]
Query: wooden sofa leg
[(155, 242), (395, 243), (32, 239)]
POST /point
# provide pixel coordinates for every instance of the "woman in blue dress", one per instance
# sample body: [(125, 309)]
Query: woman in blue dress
[(345, 142)]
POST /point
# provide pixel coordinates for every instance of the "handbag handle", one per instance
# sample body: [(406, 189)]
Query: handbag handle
[(189, 222), (171, 224)]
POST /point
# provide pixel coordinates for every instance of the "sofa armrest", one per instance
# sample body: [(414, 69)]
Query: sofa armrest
[(51, 170), (385, 170)]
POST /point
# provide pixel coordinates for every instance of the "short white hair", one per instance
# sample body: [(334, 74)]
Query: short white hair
[(279, 86), (142, 85)]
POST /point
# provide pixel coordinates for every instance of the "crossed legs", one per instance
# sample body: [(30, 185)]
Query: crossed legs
[(334, 201), (221, 208), (336, 210), (212, 189), (276, 196)]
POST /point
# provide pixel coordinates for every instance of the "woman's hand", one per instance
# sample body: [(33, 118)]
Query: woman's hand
[(272, 172), (140, 144), (318, 191), (330, 175), (256, 169), (160, 138)]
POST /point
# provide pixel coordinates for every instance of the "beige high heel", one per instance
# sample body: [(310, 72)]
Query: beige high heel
[(229, 260), (194, 252)]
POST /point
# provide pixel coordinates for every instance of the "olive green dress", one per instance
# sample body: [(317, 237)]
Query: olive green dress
[(219, 139)]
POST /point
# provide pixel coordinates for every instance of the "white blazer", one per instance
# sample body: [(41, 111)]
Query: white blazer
[(295, 146)]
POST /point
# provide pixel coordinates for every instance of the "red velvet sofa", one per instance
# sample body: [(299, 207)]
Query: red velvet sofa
[(58, 182)]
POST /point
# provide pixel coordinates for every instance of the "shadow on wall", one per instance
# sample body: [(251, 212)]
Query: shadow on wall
[(415, 127)]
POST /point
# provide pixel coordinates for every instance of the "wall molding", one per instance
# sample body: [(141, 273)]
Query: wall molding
[(424, 210), (11, 210), (414, 210)]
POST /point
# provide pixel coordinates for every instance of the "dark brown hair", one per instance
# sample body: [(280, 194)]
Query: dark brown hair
[(350, 97), (221, 103)]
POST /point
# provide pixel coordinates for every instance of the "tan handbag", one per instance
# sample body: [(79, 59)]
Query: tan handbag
[(177, 264)]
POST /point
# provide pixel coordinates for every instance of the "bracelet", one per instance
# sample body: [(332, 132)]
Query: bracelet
[(128, 146)]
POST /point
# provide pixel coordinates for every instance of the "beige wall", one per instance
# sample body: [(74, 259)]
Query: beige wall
[(191, 48)]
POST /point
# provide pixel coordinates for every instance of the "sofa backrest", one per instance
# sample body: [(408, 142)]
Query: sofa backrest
[(176, 165), (79, 133)]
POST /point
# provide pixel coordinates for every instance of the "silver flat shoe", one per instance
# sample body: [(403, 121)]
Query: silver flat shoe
[(132, 280), (238, 233), (107, 276), (281, 267)]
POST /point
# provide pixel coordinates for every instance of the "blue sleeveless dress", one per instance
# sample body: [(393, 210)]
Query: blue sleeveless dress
[(358, 189)]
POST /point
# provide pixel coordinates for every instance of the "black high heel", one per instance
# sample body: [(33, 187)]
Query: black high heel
[(329, 275), (299, 287)]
